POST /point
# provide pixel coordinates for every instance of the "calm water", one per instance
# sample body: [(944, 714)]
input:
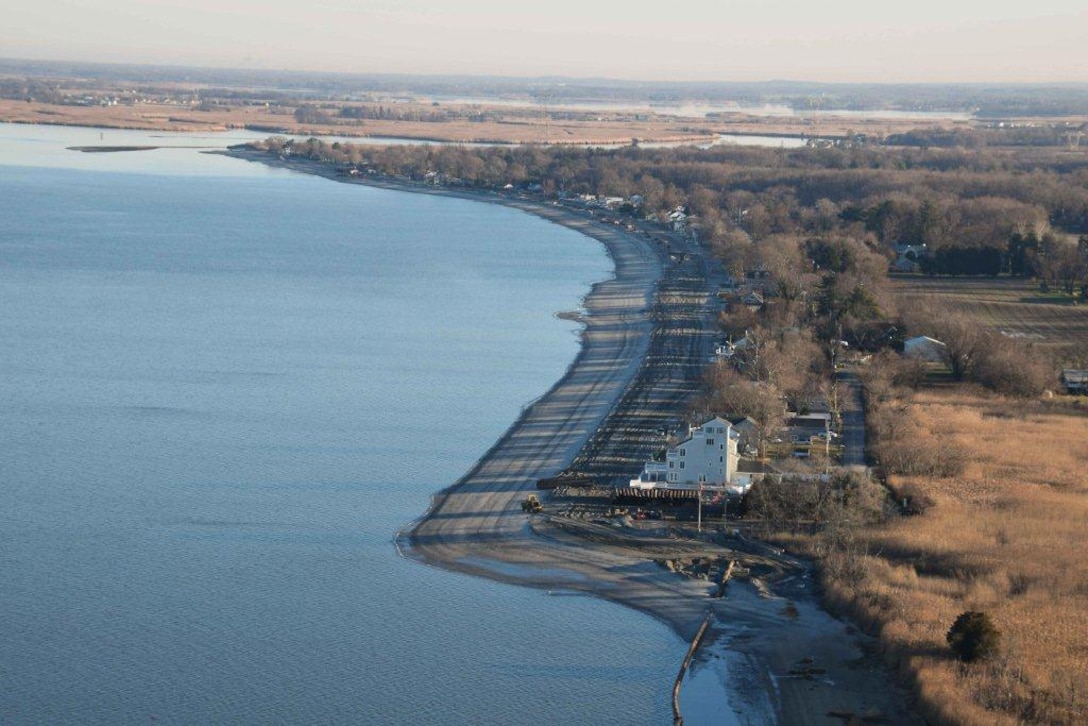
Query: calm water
[(223, 388)]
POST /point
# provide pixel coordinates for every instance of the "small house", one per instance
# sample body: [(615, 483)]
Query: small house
[(925, 348), (910, 252), (1075, 381), (753, 301), (745, 429), (905, 264)]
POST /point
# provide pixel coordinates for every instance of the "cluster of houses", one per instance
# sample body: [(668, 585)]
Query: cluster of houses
[(719, 455), (610, 203), (752, 290)]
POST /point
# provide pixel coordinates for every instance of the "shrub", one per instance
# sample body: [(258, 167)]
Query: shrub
[(973, 637), (1014, 369), (913, 499)]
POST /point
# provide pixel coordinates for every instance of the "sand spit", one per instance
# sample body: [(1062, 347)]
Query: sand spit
[(783, 658)]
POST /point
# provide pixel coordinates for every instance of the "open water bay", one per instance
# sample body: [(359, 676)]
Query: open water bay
[(223, 388)]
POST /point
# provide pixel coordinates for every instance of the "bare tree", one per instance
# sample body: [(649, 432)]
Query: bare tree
[(964, 338), (734, 394)]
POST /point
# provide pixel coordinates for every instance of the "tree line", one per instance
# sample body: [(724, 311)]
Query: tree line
[(821, 226)]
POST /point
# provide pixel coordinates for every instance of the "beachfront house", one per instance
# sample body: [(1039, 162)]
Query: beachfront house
[(706, 458)]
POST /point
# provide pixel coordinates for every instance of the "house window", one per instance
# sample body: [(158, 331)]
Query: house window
[(702, 478), (683, 452), (681, 465), (671, 464), (721, 459), (710, 442)]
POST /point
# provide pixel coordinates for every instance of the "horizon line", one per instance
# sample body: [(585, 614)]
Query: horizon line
[(542, 78)]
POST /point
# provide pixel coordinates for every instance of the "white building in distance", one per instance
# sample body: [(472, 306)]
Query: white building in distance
[(925, 348), (706, 458)]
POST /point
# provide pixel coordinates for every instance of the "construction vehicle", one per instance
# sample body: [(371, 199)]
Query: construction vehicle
[(532, 505)]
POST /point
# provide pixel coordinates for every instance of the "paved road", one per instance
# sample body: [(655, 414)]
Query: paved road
[(853, 420)]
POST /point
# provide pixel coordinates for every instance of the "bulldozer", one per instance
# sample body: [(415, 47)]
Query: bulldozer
[(532, 505)]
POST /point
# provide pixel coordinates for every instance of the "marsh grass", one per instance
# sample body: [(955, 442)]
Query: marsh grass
[(1008, 536)]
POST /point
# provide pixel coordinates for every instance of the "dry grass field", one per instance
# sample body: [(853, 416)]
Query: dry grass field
[(1009, 536), (509, 126), (1014, 307), (504, 124)]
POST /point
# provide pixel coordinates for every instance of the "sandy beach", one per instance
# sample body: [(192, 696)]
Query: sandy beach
[(773, 655)]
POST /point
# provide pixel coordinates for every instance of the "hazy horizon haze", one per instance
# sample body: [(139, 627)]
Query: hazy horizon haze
[(844, 41)]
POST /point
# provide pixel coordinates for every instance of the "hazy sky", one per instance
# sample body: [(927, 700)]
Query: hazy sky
[(835, 40)]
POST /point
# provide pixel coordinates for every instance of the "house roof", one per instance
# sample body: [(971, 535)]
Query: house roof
[(751, 466), (691, 429), (809, 422), (1075, 375), (717, 419), (923, 339)]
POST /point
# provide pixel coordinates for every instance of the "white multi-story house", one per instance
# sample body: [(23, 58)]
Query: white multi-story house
[(707, 458)]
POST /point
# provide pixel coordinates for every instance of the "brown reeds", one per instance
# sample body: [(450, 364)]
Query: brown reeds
[(1006, 535)]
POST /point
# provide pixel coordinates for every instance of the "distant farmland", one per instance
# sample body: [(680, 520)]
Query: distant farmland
[(1013, 307)]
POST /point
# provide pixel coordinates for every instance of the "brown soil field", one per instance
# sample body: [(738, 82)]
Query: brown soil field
[(1006, 537), (1014, 307), (506, 124)]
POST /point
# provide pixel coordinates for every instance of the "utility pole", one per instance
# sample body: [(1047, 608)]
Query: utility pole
[(827, 445), (699, 515)]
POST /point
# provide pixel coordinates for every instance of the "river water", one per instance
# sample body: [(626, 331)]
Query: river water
[(224, 387)]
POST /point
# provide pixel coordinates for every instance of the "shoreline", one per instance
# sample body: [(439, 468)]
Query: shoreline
[(476, 526)]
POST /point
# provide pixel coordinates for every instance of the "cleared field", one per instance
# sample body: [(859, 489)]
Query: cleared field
[(1013, 307)]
